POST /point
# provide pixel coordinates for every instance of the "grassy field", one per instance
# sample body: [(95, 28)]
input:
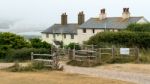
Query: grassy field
[(52, 78)]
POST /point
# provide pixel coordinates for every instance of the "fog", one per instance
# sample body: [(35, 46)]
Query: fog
[(37, 15)]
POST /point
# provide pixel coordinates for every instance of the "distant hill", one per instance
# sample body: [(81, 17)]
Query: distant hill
[(5, 24)]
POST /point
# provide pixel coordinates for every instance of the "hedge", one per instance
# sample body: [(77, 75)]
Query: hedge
[(145, 27), (129, 39), (23, 54)]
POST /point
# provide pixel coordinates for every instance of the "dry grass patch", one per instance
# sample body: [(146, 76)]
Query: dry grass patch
[(53, 78)]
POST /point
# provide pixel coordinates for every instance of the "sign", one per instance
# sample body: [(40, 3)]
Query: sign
[(124, 51)]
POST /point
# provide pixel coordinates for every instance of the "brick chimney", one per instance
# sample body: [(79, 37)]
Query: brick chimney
[(64, 19), (81, 18), (102, 14), (126, 13)]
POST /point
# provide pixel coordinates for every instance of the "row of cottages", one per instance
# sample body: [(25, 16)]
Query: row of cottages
[(82, 31)]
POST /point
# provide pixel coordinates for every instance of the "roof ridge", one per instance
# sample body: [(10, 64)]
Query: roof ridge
[(120, 17)]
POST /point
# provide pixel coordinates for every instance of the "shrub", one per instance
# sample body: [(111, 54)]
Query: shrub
[(73, 46), (128, 39), (37, 43), (13, 40), (139, 27), (24, 54)]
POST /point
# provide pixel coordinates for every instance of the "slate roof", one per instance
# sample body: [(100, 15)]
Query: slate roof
[(110, 22), (65, 29)]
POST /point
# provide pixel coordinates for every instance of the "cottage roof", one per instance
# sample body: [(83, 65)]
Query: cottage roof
[(110, 22), (65, 29)]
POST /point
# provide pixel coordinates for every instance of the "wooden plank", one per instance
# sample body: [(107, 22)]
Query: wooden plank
[(85, 56), (90, 51), (105, 53), (44, 60), (48, 55)]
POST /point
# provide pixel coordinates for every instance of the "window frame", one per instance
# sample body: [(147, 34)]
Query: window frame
[(84, 30), (93, 30), (47, 35), (72, 36)]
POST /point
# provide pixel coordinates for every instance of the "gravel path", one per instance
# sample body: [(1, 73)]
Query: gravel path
[(112, 74), (125, 76)]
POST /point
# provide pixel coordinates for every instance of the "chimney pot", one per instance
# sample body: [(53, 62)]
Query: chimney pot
[(64, 19), (102, 14), (126, 13), (81, 18)]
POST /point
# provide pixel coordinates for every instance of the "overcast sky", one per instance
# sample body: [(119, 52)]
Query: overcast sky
[(40, 14)]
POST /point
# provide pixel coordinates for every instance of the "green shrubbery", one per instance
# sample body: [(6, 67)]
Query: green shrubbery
[(139, 27), (14, 47), (129, 39), (13, 40), (37, 43), (73, 46), (23, 54)]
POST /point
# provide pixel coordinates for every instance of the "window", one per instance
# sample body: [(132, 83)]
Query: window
[(47, 35), (84, 30), (54, 36), (64, 35), (72, 36), (93, 30)]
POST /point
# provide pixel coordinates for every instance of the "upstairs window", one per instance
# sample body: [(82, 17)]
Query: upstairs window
[(47, 35), (84, 30), (72, 36)]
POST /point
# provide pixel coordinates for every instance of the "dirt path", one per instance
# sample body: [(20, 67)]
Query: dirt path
[(125, 76), (138, 78)]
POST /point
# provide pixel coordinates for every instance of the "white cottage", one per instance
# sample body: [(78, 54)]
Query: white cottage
[(82, 31)]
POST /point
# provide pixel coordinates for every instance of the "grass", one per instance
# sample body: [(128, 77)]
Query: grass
[(34, 66), (53, 77)]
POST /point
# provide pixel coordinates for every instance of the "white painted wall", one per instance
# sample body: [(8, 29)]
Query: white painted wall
[(85, 36), (59, 37), (79, 38)]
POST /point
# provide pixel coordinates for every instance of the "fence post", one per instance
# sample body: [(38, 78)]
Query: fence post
[(73, 54), (113, 52), (32, 55), (137, 55), (100, 55)]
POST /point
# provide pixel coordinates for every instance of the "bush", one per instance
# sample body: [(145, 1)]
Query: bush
[(128, 39), (37, 43), (139, 27), (72, 45), (24, 54), (13, 40)]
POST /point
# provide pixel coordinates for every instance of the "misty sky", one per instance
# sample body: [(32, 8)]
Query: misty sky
[(31, 15)]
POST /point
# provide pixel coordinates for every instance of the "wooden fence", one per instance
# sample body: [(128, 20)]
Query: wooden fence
[(104, 55), (49, 60)]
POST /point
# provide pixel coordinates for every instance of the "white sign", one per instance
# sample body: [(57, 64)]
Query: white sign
[(124, 51)]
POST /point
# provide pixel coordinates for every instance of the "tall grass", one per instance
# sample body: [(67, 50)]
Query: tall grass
[(145, 55)]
